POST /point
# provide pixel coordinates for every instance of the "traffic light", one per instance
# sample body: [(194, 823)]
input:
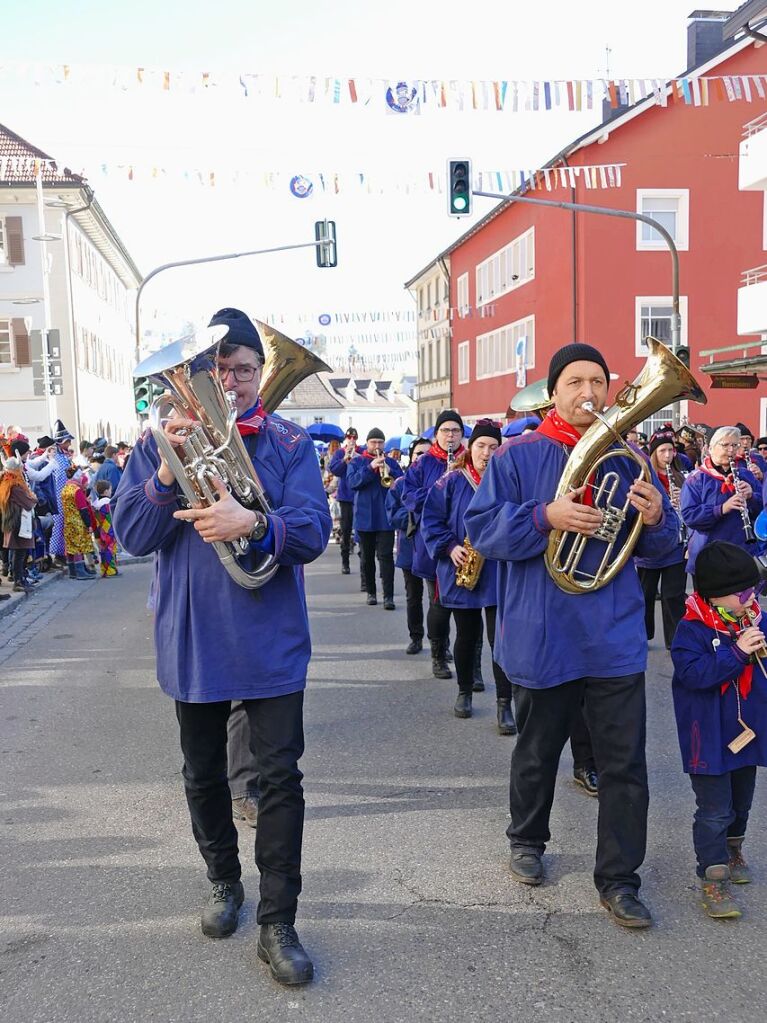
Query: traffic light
[(459, 188), (325, 233), (142, 394)]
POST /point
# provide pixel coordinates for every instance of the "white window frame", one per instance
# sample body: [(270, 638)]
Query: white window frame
[(682, 239), (462, 294), (496, 349), (6, 325), (659, 300), (503, 271), (464, 374)]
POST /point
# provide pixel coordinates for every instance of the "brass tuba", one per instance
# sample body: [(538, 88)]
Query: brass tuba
[(187, 369), (663, 379)]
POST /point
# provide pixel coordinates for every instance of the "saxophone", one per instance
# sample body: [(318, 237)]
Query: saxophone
[(469, 572)]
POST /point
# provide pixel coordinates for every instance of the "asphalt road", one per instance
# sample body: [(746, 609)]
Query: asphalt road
[(408, 909)]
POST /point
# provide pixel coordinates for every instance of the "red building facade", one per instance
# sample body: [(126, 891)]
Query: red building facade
[(532, 279)]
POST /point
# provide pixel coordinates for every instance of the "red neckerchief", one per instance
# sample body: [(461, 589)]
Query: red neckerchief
[(663, 477), (469, 467), (699, 610), (441, 454), (253, 420), (707, 466), (558, 429), (369, 455)]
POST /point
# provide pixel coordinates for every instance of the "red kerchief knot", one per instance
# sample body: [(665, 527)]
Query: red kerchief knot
[(252, 421), (441, 454), (555, 427), (697, 609), (728, 485)]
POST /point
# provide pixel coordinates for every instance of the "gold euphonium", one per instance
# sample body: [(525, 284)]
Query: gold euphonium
[(214, 448), (664, 379)]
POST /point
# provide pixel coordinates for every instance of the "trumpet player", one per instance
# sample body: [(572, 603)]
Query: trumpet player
[(563, 650), (721, 499), (217, 642), (668, 570), (338, 466), (444, 533), (369, 476)]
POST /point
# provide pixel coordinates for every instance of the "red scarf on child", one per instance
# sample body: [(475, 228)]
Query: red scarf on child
[(699, 610), (559, 430)]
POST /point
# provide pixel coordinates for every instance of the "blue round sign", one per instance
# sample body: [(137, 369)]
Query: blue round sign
[(324, 319), (301, 187), (402, 98)]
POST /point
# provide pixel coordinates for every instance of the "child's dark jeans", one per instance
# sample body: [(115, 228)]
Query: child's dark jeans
[(724, 801)]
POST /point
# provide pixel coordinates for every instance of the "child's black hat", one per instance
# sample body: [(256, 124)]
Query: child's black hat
[(722, 568)]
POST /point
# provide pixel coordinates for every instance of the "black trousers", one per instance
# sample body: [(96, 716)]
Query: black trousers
[(347, 520), (379, 545), (615, 713), (468, 632), (19, 563), (437, 617), (277, 743), (242, 769), (414, 597), (673, 585)]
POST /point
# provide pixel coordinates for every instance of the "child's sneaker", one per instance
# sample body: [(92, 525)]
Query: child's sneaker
[(717, 901), (739, 872)]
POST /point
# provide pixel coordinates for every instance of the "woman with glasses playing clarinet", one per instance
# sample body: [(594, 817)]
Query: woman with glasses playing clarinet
[(721, 499)]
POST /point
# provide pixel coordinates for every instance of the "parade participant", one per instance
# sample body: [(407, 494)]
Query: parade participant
[(749, 455), (714, 505), (83, 460), (239, 644), (242, 768), (62, 439), (400, 519), (105, 536), (692, 440), (444, 533), (720, 703), (448, 437), (109, 469), (16, 504), (338, 465), (79, 524), (566, 650), (668, 570), (367, 477), (761, 447)]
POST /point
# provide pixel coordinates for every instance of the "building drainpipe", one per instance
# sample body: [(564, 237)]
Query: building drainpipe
[(67, 215), (574, 252), (448, 368)]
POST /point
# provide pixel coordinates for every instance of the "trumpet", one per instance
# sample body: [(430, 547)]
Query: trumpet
[(351, 450), (748, 529), (385, 473)]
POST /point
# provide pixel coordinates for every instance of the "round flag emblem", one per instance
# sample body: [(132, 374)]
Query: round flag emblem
[(324, 319), (300, 186), (402, 98)]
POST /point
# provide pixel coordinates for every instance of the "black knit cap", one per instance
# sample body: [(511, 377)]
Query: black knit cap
[(485, 428), (375, 434), (744, 430), (576, 352), (659, 438), (722, 568), (414, 445), (242, 330), (448, 415)]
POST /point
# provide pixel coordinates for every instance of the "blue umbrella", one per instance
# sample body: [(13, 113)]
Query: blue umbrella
[(428, 433), (325, 431), (517, 426)]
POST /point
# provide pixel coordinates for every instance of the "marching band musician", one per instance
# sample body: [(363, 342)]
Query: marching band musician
[(716, 506), (749, 455), (668, 569), (443, 530), (217, 642), (400, 519), (448, 434), (562, 650), (367, 477), (338, 465)]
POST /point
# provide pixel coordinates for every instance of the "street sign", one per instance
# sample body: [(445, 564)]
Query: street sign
[(53, 355), (737, 381), (327, 252)]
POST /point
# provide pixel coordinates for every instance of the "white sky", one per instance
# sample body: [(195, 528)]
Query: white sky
[(383, 240)]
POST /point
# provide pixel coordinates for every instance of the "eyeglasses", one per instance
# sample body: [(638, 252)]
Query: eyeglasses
[(242, 374), (721, 444), (450, 429), (762, 447)]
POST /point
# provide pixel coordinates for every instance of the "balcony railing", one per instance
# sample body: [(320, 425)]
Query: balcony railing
[(754, 276), (754, 127)]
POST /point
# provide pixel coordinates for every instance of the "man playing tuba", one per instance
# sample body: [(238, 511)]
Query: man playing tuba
[(566, 649)]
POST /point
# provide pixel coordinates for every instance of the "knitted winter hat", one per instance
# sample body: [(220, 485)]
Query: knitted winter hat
[(485, 428), (722, 568), (242, 330), (744, 430), (660, 438), (375, 434), (576, 352), (448, 415)]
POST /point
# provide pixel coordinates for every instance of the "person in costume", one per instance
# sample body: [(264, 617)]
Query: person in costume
[(16, 504), (565, 650), (338, 466), (62, 459), (370, 520), (105, 536), (712, 506), (79, 524), (400, 519), (217, 642), (720, 703), (668, 570), (444, 533), (448, 437)]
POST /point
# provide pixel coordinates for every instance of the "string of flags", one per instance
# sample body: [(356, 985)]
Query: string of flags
[(345, 317), (402, 96)]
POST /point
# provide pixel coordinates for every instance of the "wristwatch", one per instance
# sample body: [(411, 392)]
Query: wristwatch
[(260, 526)]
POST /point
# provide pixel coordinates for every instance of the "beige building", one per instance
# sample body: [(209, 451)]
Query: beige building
[(62, 268), (349, 401), (431, 290)]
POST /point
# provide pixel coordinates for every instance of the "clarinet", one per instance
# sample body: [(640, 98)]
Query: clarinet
[(748, 529), (450, 457), (675, 496)]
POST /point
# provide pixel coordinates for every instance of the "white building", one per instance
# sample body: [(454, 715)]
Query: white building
[(349, 401), (63, 267), (431, 290)]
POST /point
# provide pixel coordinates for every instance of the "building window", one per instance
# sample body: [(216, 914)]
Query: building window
[(671, 208), (6, 343), (3, 259), (509, 268), (463, 362), (497, 350), (462, 294), (649, 426), (319, 419), (653, 316)]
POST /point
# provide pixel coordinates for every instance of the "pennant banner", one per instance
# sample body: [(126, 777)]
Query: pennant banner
[(400, 97)]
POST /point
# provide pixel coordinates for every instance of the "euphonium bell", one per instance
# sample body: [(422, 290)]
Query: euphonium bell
[(664, 379), (214, 448)]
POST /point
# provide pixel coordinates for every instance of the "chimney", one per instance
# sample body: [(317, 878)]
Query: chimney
[(704, 35)]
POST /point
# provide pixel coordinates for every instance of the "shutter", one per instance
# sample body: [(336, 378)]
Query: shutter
[(15, 241), (21, 340)]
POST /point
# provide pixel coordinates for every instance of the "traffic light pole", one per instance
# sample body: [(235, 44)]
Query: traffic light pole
[(676, 320), (320, 244)]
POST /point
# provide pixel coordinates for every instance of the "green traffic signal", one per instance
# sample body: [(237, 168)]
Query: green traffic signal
[(141, 394), (459, 188)]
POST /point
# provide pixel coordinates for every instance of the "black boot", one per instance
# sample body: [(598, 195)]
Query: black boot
[(415, 646), (462, 708), (439, 668), (506, 723), (479, 682), (219, 916), (448, 652), (278, 945)]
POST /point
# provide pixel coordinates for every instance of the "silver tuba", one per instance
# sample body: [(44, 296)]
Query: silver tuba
[(214, 448)]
